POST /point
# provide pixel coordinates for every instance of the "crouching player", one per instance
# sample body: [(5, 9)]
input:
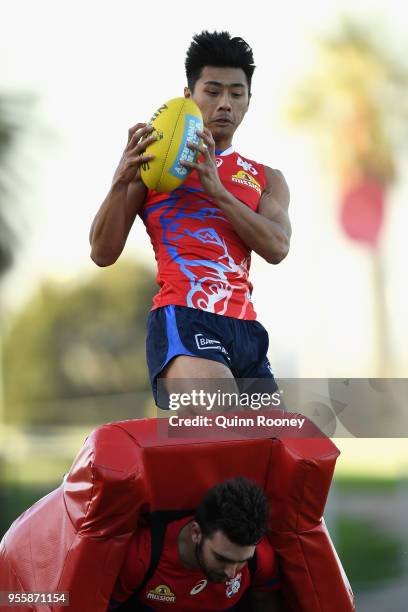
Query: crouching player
[(217, 559)]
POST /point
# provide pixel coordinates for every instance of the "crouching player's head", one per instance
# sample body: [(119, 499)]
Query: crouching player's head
[(230, 521)]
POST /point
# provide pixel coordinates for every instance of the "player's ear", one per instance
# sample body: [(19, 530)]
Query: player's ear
[(196, 534), (187, 92)]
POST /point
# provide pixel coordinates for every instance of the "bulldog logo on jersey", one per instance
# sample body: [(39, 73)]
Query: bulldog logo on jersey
[(247, 166), (243, 178), (233, 585)]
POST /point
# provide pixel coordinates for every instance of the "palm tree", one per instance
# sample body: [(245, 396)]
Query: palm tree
[(8, 132), (11, 122), (355, 102)]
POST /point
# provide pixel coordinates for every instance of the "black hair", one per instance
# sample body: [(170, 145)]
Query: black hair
[(218, 49), (236, 507)]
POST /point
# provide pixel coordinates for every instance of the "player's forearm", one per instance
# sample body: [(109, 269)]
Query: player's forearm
[(112, 223), (115, 217), (265, 237)]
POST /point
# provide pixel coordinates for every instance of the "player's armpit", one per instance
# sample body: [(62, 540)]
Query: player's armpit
[(264, 601), (113, 605)]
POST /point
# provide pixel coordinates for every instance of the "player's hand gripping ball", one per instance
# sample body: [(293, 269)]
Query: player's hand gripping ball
[(175, 124)]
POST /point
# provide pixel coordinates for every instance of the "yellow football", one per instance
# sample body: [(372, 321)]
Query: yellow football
[(175, 124)]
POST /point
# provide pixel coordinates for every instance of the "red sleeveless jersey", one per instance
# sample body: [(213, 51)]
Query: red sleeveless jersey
[(202, 262)]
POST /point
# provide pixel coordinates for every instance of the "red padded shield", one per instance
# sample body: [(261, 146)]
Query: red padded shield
[(75, 538)]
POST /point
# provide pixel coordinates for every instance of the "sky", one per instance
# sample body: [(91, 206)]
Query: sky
[(97, 68)]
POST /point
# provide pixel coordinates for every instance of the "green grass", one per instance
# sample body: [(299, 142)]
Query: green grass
[(15, 499), (370, 557), (367, 484)]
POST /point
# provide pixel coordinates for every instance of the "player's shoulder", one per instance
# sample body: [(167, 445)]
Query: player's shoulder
[(266, 562), (267, 571), (275, 175), (265, 546), (244, 160), (276, 184)]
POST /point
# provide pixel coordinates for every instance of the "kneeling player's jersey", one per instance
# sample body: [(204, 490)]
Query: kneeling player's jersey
[(173, 587), (202, 262)]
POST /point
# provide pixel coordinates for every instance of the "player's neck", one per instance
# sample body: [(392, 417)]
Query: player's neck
[(223, 144), (186, 548)]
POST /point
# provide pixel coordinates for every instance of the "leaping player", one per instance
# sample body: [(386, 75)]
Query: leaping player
[(203, 324)]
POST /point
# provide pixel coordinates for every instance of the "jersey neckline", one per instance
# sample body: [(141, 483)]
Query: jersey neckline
[(224, 153)]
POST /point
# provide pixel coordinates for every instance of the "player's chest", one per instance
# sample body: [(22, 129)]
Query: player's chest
[(170, 589), (242, 179)]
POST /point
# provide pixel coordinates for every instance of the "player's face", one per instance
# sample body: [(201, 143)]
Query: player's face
[(220, 559), (223, 97)]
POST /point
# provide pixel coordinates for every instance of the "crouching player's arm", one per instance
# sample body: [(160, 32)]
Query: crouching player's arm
[(133, 569), (263, 601), (265, 584)]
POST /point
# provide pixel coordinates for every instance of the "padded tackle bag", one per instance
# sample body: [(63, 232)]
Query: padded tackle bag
[(75, 538)]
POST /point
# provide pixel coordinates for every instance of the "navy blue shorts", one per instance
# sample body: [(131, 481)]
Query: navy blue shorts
[(239, 344)]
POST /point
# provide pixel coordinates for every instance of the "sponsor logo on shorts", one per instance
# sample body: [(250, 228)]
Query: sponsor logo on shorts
[(243, 178), (162, 593), (204, 343), (200, 586), (233, 585)]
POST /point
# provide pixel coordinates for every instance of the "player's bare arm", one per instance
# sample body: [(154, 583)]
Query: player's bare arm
[(112, 223), (267, 231)]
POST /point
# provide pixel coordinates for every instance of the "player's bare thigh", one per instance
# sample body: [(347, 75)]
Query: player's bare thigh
[(185, 373)]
